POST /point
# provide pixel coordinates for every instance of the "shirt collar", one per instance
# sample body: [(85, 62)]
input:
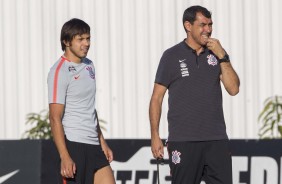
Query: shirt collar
[(189, 48)]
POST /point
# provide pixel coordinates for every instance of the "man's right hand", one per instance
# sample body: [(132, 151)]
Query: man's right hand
[(157, 147), (68, 167)]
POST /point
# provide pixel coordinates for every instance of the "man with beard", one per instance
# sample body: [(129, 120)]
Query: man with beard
[(192, 72)]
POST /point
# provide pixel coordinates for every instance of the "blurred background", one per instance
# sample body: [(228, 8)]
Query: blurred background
[(128, 39)]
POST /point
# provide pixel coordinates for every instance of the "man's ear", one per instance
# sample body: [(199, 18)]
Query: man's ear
[(187, 26), (67, 44)]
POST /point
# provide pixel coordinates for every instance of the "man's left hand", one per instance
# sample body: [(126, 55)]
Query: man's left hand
[(215, 46), (108, 152)]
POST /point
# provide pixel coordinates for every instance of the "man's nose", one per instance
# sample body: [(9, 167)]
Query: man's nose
[(87, 42), (208, 28)]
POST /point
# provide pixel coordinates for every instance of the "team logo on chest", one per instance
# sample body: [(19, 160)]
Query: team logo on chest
[(212, 60), (91, 73), (175, 157)]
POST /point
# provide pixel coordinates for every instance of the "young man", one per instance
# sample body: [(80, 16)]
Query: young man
[(84, 153), (192, 71)]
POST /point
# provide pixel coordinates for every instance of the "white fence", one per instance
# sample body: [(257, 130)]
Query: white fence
[(128, 38)]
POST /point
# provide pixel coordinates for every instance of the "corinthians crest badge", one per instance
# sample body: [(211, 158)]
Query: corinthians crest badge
[(212, 60), (175, 157)]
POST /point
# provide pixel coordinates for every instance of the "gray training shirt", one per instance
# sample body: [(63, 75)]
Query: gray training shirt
[(74, 85)]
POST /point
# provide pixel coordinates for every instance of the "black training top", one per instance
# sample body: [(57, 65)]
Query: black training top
[(195, 98)]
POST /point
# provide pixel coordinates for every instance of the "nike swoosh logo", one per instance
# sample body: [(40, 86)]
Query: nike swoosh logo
[(7, 176), (181, 60), (76, 77)]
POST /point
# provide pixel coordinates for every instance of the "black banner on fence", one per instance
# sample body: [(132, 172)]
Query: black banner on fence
[(36, 162)]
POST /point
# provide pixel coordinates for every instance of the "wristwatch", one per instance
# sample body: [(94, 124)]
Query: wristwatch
[(224, 59)]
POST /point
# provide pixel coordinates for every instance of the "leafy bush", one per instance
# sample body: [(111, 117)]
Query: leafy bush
[(270, 118), (41, 125)]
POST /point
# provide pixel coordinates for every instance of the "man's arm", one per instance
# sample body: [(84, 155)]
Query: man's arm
[(106, 149), (55, 115), (155, 111), (229, 78), (228, 75)]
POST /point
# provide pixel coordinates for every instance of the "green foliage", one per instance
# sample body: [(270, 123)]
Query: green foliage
[(102, 124), (41, 126), (270, 118)]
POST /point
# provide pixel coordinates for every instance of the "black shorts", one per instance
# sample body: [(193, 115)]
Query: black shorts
[(192, 162), (88, 159)]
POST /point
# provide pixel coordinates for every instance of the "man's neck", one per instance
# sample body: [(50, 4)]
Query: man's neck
[(72, 57), (198, 48)]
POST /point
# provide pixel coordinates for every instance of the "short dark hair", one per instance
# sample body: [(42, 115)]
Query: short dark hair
[(191, 12), (72, 28)]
